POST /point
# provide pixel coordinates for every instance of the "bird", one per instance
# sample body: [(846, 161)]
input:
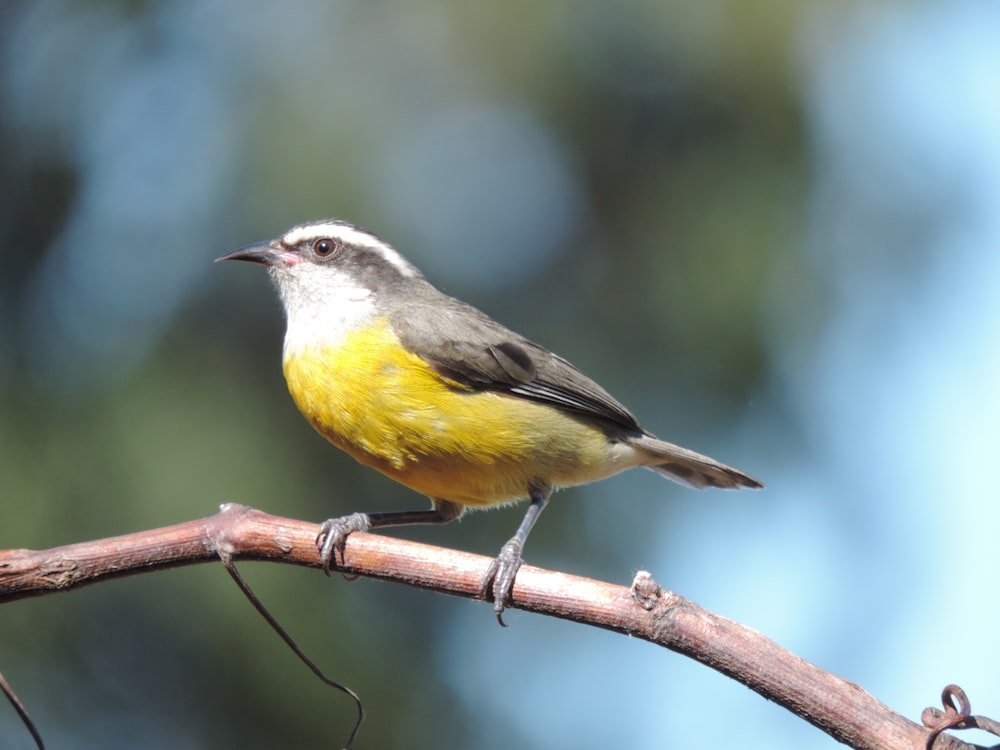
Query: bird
[(435, 394)]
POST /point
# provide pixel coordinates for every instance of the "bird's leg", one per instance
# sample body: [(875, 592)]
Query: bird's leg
[(333, 532), (504, 569)]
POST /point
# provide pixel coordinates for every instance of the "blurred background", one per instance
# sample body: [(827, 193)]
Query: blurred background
[(770, 228)]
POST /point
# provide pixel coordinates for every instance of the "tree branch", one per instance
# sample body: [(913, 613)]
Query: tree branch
[(838, 707)]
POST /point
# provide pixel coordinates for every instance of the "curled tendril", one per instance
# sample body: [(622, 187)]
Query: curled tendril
[(957, 714)]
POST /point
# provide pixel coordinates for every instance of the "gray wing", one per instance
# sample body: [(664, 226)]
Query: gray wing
[(468, 346)]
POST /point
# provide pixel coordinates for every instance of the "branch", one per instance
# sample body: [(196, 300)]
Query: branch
[(838, 707)]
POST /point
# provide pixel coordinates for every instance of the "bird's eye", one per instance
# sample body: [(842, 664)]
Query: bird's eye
[(324, 248)]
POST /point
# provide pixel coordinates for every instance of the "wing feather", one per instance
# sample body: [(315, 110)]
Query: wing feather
[(468, 346)]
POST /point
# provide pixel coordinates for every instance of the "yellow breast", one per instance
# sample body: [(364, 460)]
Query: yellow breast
[(389, 410)]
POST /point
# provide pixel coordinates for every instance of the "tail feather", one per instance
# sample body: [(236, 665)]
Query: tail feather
[(689, 468)]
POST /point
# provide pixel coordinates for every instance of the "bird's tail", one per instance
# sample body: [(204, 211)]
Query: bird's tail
[(690, 468)]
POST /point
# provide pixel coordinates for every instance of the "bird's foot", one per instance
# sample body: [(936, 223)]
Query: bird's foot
[(500, 576), (333, 532)]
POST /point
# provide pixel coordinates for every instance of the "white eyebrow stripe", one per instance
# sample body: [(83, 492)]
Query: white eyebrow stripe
[(349, 235), (336, 229)]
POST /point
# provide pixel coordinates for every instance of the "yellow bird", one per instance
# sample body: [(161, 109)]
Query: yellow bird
[(440, 397)]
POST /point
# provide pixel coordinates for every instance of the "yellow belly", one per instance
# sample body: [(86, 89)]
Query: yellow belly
[(389, 410)]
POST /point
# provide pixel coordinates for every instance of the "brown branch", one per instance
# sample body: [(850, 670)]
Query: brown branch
[(838, 707)]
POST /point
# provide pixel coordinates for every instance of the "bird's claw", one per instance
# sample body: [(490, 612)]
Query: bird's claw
[(500, 577), (333, 533)]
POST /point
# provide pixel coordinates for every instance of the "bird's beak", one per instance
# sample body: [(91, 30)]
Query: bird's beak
[(265, 253)]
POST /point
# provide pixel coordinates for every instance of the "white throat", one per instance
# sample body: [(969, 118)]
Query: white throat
[(321, 305)]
